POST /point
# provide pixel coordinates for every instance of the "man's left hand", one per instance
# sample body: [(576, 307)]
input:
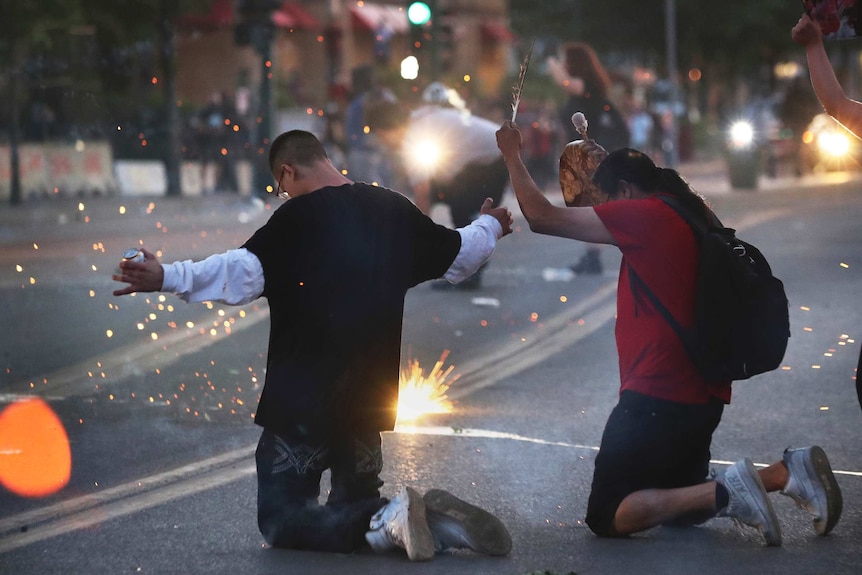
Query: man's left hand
[(503, 215)]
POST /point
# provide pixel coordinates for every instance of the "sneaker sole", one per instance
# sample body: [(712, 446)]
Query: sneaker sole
[(485, 533), (418, 541), (818, 465)]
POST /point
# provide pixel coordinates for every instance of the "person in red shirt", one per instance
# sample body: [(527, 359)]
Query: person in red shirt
[(653, 463)]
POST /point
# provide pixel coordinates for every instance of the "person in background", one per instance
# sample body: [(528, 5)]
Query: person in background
[(588, 88), (846, 111), (652, 467), (365, 160), (641, 126), (448, 154), (335, 263), (219, 144)]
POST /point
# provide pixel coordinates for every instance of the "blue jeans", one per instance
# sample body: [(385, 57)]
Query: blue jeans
[(289, 469)]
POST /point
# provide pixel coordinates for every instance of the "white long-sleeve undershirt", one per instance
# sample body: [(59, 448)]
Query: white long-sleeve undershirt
[(235, 277)]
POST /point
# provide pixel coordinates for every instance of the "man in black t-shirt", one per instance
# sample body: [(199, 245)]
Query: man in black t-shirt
[(335, 263)]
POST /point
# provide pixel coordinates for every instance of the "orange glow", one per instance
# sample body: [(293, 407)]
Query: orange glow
[(419, 394), (35, 459)]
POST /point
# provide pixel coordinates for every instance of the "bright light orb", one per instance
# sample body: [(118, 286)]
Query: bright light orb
[(35, 458)]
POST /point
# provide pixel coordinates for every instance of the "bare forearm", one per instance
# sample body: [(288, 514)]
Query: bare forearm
[(829, 91), (534, 205)]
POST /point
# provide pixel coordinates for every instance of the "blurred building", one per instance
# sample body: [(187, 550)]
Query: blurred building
[(316, 43)]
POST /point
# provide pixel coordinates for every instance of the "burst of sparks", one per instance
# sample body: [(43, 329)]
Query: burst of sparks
[(420, 394)]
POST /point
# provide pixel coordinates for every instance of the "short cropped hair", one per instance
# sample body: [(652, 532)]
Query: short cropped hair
[(296, 147)]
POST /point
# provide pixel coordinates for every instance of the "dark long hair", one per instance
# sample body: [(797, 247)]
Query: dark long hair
[(582, 62), (637, 168)]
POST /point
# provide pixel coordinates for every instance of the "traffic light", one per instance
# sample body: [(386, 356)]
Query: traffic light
[(419, 15), (444, 39)]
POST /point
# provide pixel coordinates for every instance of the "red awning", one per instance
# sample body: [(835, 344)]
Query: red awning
[(374, 17), (497, 31), (220, 14), (292, 15)]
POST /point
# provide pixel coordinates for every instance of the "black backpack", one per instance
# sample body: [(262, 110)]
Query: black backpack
[(742, 322)]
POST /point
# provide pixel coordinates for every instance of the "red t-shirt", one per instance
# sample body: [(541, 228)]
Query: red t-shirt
[(660, 246)]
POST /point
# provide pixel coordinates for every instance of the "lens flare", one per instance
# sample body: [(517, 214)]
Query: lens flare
[(419, 394), (35, 459)]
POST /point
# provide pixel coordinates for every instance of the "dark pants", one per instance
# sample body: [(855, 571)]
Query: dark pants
[(289, 470), (649, 443), (465, 193)]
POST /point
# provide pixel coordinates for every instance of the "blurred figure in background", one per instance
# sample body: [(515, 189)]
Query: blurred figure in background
[(365, 159), (588, 85), (541, 137), (214, 126), (449, 156), (641, 126)]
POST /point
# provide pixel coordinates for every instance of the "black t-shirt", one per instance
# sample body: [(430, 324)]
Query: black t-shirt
[(337, 265)]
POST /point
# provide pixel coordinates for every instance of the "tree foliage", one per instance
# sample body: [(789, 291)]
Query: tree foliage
[(737, 34)]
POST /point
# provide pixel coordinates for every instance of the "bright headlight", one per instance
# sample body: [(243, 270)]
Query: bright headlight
[(741, 134), (833, 143), (425, 155)]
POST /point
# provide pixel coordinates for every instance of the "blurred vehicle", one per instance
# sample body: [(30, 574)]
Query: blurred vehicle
[(744, 153), (828, 146), (748, 140), (758, 143)]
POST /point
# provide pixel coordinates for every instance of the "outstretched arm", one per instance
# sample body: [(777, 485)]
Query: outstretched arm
[(234, 277), (544, 217), (478, 241), (846, 111)]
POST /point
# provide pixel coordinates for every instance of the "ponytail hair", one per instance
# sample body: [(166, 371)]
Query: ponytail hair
[(637, 168)]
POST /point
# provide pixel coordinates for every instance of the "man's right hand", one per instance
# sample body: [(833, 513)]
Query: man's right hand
[(509, 140), (806, 32), (145, 276)]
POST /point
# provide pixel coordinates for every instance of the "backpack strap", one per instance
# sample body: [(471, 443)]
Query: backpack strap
[(637, 285)]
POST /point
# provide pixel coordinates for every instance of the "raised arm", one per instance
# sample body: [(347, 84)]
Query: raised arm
[(846, 111), (543, 216)]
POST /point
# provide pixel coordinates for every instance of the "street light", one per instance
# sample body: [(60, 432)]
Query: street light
[(410, 68)]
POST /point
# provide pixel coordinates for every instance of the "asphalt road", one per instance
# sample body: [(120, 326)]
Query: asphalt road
[(157, 396)]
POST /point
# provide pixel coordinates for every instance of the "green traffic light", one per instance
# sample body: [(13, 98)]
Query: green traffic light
[(418, 13)]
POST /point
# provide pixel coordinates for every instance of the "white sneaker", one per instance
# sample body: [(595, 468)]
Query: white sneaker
[(812, 485), (457, 524), (749, 502), (402, 523)]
